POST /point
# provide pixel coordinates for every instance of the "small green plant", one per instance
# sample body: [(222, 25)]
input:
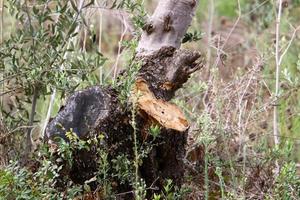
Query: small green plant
[(192, 37), (287, 184), (154, 130), (140, 189), (221, 181), (126, 82), (123, 168), (171, 192), (22, 183)]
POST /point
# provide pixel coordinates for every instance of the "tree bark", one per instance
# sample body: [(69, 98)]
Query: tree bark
[(97, 110), (167, 25)]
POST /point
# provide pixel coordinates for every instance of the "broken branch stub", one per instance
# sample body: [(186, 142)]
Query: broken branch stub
[(167, 69), (162, 73)]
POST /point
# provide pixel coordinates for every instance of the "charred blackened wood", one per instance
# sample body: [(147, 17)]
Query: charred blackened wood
[(82, 112)]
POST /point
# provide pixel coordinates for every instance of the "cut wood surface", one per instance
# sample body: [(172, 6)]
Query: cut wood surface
[(166, 114)]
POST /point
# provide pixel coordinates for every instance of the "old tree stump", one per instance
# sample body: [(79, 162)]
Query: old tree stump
[(97, 110)]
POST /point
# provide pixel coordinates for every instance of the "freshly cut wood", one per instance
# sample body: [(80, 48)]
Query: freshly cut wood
[(166, 114)]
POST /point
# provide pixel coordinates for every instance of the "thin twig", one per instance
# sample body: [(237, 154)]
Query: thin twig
[(20, 127), (1, 41), (100, 43), (151, 187), (229, 34), (289, 44), (1, 20), (28, 146), (50, 107), (125, 28), (254, 9), (277, 59), (210, 25)]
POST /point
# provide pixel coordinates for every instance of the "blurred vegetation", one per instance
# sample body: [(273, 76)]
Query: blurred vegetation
[(229, 103)]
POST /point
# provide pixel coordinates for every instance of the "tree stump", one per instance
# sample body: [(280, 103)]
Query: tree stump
[(97, 110)]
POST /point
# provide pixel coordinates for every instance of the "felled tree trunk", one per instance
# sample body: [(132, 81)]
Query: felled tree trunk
[(97, 110)]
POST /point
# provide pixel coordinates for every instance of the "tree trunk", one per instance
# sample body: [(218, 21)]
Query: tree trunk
[(167, 25), (97, 110)]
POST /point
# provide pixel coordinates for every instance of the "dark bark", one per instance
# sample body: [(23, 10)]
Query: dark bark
[(82, 112), (167, 69)]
